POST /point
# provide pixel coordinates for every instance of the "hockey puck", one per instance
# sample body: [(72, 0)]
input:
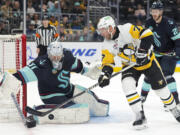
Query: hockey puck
[(51, 116)]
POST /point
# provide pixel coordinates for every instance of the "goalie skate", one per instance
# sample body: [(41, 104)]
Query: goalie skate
[(140, 122)]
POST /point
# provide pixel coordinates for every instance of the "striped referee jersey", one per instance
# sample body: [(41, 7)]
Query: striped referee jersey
[(44, 36)]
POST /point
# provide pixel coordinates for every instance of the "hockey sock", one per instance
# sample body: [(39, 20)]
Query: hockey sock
[(132, 96), (176, 97), (171, 83), (134, 102), (166, 97), (145, 90)]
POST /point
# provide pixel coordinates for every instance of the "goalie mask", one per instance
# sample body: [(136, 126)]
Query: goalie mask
[(55, 54)]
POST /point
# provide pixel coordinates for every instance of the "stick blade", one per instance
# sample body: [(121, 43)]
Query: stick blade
[(32, 111)]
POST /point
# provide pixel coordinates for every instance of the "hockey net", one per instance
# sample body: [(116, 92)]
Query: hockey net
[(12, 58)]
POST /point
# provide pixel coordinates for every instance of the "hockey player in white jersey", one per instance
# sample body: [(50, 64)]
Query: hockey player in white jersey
[(130, 43)]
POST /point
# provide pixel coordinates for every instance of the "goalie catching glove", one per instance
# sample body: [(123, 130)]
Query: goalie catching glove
[(104, 78), (142, 57)]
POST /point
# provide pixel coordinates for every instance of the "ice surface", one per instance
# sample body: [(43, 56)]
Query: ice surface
[(119, 121)]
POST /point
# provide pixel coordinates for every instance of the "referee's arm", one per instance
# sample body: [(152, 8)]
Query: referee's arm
[(55, 34), (38, 37)]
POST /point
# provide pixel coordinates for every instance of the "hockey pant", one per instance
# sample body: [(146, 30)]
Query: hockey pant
[(168, 65)]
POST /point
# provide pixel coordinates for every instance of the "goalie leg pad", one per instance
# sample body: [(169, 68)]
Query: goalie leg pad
[(8, 112), (98, 107), (9, 84), (77, 113)]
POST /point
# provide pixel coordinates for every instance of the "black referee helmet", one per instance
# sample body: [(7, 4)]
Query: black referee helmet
[(45, 17)]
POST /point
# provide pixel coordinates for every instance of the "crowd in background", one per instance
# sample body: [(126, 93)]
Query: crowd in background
[(72, 25)]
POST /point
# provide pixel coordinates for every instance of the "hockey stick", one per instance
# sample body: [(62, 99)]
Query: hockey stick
[(171, 54), (41, 114), (18, 108), (27, 122)]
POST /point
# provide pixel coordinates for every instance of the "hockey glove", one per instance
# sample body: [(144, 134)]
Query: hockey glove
[(104, 78), (141, 57)]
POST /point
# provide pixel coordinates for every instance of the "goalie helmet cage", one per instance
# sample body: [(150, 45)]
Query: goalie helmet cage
[(13, 58)]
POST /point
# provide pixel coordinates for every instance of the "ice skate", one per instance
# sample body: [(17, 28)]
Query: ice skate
[(176, 113), (140, 122), (178, 106), (166, 108), (143, 99)]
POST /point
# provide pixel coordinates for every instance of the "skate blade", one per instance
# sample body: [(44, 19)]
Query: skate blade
[(166, 110), (178, 106), (140, 127)]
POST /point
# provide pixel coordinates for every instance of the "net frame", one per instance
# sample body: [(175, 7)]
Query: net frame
[(20, 61)]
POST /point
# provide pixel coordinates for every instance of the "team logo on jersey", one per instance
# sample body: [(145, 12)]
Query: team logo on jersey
[(156, 39), (160, 82), (63, 79), (175, 31)]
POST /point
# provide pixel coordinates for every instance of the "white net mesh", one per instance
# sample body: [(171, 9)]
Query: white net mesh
[(11, 60)]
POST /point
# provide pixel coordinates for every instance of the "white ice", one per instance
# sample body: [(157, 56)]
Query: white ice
[(119, 121)]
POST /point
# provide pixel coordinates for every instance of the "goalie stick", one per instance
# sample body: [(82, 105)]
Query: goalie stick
[(27, 122), (41, 114)]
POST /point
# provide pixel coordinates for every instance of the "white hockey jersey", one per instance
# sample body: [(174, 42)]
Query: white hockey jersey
[(125, 45)]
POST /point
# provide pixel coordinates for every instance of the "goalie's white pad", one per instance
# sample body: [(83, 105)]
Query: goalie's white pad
[(92, 71), (9, 84), (97, 106), (78, 113), (8, 113)]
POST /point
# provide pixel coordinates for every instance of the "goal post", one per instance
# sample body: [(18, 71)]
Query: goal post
[(13, 58)]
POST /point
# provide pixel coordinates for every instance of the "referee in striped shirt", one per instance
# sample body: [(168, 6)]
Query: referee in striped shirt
[(45, 34)]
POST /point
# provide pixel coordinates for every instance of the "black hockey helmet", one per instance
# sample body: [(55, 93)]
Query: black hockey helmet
[(157, 5), (45, 17)]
